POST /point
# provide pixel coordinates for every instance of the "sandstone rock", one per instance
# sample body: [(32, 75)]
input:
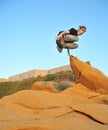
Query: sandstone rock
[(88, 75), (75, 107), (81, 90), (30, 110), (50, 86)]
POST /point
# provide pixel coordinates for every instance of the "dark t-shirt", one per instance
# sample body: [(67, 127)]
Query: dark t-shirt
[(73, 31)]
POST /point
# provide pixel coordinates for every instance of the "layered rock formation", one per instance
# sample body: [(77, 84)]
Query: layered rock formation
[(88, 75), (44, 108)]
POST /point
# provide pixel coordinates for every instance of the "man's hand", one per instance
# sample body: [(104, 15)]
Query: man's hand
[(61, 34), (58, 37)]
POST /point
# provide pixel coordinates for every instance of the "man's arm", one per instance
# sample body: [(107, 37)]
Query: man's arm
[(61, 34)]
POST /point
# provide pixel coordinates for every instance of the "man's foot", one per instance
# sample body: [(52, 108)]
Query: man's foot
[(59, 49), (59, 44), (62, 42)]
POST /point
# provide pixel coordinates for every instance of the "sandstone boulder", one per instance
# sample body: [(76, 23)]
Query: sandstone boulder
[(89, 76)]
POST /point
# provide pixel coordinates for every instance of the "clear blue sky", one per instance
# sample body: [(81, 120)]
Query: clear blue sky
[(28, 29)]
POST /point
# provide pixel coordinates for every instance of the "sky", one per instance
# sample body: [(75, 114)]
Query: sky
[(28, 29)]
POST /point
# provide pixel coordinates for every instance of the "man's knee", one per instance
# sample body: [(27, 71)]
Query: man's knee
[(71, 45), (75, 45)]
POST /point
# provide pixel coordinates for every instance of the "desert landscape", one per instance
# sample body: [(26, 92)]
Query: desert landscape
[(82, 106)]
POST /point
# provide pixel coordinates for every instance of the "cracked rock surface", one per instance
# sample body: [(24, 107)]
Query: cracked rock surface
[(78, 107)]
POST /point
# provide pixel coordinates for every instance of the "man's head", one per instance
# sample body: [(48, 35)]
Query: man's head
[(81, 30)]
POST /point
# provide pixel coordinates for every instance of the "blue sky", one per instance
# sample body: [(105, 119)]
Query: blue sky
[(28, 29)]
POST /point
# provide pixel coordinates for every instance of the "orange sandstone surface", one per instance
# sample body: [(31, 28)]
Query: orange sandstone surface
[(88, 75), (78, 107)]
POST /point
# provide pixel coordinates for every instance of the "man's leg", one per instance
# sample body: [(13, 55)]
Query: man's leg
[(70, 38), (60, 44), (69, 41), (71, 45)]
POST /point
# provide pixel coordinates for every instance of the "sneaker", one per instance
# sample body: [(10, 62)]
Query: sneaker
[(59, 49), (62, 42), (59, 44)]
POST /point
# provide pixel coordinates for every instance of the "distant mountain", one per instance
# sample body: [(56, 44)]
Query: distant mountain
[(3, 80)]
